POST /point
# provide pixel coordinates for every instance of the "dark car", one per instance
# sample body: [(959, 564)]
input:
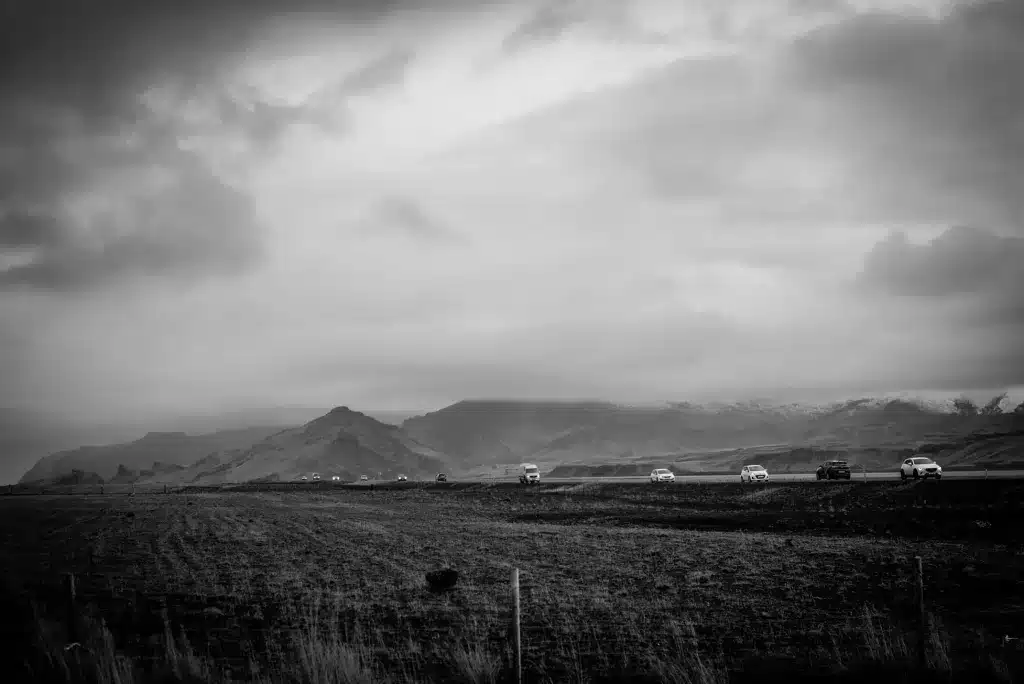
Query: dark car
[(834, 470), (441, 477)]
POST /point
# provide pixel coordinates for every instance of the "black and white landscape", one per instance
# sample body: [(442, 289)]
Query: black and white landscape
[(268, 269)]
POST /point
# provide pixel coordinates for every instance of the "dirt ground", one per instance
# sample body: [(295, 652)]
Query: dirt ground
[(615, 578)]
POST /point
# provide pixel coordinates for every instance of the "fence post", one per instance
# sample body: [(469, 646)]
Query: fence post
[(69, 585), (517, 640), (865, 469), (922, 619), (986, 473)]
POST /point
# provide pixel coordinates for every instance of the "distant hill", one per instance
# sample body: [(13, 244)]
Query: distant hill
[(697, 437), (343, 442), (167, 448)]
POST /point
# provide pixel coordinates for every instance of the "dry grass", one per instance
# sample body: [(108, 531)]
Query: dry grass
[(294, 587)]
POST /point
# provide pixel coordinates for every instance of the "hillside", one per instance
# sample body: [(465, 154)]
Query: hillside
[(168, 448), (873, 432), (343, 442)]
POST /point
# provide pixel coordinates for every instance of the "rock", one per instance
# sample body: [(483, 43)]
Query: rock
[(442, 580)]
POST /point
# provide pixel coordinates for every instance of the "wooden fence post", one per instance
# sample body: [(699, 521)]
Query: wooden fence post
[(922, 618), (517, 638), (69, 585)]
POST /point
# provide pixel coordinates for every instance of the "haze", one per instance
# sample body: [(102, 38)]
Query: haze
[(208, 206)]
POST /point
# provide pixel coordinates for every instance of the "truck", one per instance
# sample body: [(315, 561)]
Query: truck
[(833, 470), (529, 473)]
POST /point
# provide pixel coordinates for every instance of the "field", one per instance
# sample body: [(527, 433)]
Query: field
[(708, 583)]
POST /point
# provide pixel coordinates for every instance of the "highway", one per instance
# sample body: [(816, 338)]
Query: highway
[(780, 477)]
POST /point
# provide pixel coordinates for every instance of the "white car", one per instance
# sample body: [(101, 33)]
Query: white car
[(920, 466), (753, 473), (662, 475), (402, 478), (363, 478), (304, 478), (336, 478)]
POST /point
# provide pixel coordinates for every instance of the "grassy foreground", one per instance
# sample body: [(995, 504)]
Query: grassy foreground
[(715, 583)]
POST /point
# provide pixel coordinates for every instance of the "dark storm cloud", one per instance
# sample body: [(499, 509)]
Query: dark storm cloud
[(960, 261), (194, 228), (974, 276), (73, 76), (892, 118), (28, 229), (932, 109)]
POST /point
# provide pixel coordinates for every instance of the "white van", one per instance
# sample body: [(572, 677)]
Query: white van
[(529, 473)]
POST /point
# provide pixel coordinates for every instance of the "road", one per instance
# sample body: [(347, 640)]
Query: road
[(780, 477)]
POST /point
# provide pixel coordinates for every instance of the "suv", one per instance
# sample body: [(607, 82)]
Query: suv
[(918, 467), (316, 476), (833, 470), (402, 478)]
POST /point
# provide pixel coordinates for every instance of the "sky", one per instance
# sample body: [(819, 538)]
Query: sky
[(208, 205)]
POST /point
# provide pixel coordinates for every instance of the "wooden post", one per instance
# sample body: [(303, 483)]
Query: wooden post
[(986, 473), (69, 586), (165, 489), (922, 619), (865, 469), (133, 489), (517, 639)]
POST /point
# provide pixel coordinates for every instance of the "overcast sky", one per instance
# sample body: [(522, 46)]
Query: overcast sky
[(389, 204)]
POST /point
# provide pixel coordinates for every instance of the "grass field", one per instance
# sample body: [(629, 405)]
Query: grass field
[(620, 582)]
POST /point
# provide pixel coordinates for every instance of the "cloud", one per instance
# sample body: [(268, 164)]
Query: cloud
[(97, 96), (387, 70), (552, 19), (962, 260), (397, 215), (874, 118), (647, 229), (932, 109)]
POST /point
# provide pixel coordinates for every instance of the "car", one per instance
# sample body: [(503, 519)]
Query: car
[(662, 475), (833, 470), (402, 478), (363, 478), (528, 473), (753, 473), (336, 478), (441, 477), (316, 476), (920, 467), (303, 478)]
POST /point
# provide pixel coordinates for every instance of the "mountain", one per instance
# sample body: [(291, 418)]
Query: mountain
[(702, 436), (343, 442), (27, 435), (168, 448)]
